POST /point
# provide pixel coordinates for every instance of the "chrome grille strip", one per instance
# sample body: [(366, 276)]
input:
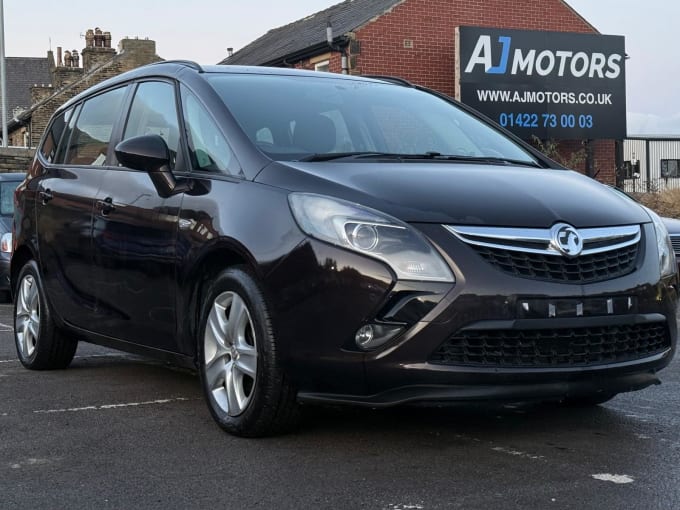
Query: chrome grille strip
[(538, 240)]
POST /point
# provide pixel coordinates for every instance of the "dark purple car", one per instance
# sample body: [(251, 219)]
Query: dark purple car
[(311, 237)]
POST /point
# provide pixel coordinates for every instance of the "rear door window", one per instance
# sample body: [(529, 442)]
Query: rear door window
[(51, 142), (89, 141)]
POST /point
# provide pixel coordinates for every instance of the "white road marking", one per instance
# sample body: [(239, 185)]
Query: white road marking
[(606, 477), (517, 453), (28, 462), (8, 360), (111, 406), (6, 326), (503, 449)]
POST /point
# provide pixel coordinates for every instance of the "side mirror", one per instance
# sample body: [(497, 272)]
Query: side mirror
[(150, 154)]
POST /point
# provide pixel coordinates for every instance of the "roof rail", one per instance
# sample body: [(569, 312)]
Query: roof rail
[(391, 79), (188, 63)]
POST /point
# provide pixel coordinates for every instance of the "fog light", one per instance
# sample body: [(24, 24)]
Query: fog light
[(372, 336)]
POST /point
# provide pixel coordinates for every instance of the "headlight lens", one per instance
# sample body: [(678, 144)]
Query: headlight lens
[(371, 233), (664, 247)]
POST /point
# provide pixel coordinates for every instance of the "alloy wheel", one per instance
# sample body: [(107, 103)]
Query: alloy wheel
[(27, 317), (230, 353)]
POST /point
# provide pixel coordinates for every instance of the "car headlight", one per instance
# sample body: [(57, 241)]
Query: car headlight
[(663, 244), (370, 233)]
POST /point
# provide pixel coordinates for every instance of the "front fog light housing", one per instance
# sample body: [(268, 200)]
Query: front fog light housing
[(372, 336)]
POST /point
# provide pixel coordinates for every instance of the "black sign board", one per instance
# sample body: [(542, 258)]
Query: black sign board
[(546, 84)]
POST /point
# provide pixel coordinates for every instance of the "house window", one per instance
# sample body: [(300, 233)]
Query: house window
[(323, 66), (670, 168)]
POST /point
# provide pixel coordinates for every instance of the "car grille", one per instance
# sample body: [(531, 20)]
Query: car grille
[(584, 269), (554, 348), (607, 252)]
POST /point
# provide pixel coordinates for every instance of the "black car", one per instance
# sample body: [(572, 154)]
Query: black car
[(311, 237), (8, 183)]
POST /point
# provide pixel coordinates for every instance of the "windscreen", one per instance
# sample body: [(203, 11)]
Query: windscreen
[(292, 117)]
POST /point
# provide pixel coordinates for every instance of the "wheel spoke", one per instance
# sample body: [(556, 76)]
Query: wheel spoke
[(246, 363), (238, 317), (233, 387), (32, 328), (32, 299), (215, 373), (215, 346), (24, 292)]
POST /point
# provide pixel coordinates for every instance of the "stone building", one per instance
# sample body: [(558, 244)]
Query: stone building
[(22, 73), (67, 78), (416, 40)]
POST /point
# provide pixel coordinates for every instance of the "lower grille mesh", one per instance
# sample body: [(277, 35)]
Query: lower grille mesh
[(570, 347)]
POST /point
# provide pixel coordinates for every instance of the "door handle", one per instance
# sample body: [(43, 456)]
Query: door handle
[(106, 206), (45, 196)]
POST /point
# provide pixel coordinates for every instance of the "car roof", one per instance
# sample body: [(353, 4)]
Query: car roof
[(173, 68)]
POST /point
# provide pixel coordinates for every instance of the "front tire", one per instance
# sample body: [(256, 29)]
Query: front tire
[(246, 389), (40, 345)]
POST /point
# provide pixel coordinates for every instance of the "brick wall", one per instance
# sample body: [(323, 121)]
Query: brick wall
[(431, 25), (13, 159)]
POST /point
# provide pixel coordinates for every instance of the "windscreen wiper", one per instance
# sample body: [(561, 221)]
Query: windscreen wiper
[(430, 155), (488, 159), (329, 156)]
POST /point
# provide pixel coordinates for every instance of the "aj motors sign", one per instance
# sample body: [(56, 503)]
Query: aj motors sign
[(545, 84)]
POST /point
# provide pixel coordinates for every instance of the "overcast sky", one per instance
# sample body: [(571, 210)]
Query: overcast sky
[(202, 30)]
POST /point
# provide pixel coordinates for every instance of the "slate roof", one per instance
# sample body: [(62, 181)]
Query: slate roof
[(308, 32), (22, 73)]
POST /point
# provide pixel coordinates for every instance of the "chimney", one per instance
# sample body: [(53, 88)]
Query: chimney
[(96, 51), (230, 52), (89, 38), (59, 60), (98, 38)]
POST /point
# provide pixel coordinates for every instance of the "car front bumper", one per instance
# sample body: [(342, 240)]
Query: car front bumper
[(317, 317)]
